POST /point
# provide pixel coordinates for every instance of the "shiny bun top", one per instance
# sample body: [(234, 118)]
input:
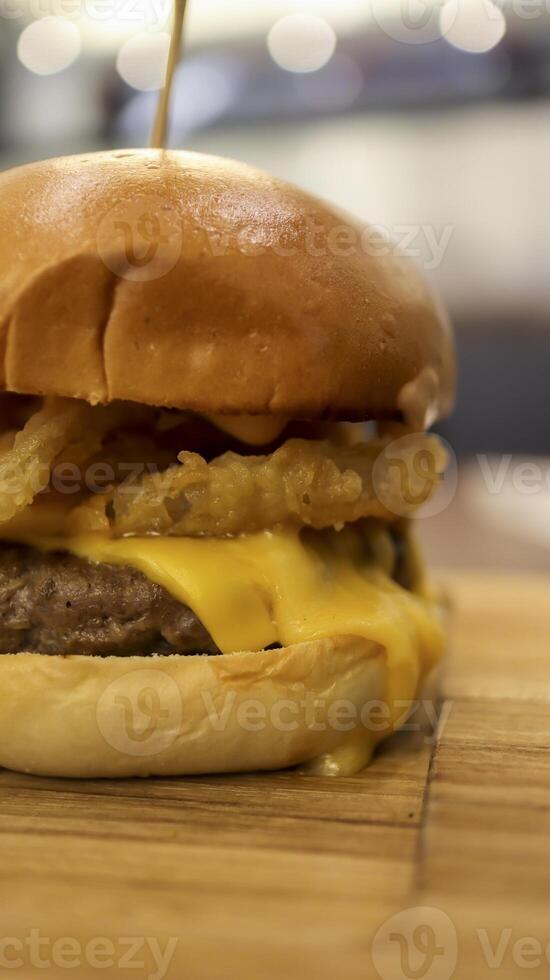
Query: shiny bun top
[(191, 281)]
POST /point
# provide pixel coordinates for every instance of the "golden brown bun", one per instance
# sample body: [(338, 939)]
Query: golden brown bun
[(196, 282), (140, 716)]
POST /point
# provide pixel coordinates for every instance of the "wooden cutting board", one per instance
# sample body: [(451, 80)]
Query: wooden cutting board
[(282, 876)]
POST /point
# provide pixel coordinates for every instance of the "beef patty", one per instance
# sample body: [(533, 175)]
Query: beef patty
[(56, 603)]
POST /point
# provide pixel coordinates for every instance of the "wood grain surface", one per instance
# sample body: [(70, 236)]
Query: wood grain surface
[(286, 876)]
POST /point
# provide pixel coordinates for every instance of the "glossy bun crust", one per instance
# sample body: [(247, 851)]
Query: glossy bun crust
[(200, 283)]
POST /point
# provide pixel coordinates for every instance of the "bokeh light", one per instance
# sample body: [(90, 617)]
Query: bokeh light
[(141, 61), (301, 42), (49, 45), (472, 25)]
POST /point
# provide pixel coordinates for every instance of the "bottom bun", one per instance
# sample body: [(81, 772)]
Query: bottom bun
[(172, 716)]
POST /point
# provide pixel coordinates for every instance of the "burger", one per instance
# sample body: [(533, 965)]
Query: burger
[(215, 396)]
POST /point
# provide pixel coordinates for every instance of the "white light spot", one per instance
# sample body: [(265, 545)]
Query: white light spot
[(472, 25), (49, 45), (141, 61), (301, 42)]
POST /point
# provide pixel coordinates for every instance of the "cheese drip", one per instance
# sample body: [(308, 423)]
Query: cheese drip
[(284, 587)]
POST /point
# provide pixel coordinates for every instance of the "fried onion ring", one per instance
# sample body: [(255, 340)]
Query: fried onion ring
[(25, 467), (61, 426), (304, 483)]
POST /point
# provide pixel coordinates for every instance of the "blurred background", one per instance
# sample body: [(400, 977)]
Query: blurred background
[(430, 118)]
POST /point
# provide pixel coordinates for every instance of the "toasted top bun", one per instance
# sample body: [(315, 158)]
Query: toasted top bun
[(174, 716), (191, 281)]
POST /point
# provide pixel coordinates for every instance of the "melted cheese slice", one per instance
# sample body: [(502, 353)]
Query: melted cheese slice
[(283, 587), (255, 430)]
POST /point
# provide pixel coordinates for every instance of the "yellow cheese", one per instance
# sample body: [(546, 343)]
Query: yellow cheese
[(283, 587), (255, 430)]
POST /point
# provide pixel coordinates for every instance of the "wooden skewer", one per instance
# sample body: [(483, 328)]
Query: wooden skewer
[(160, 126)]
